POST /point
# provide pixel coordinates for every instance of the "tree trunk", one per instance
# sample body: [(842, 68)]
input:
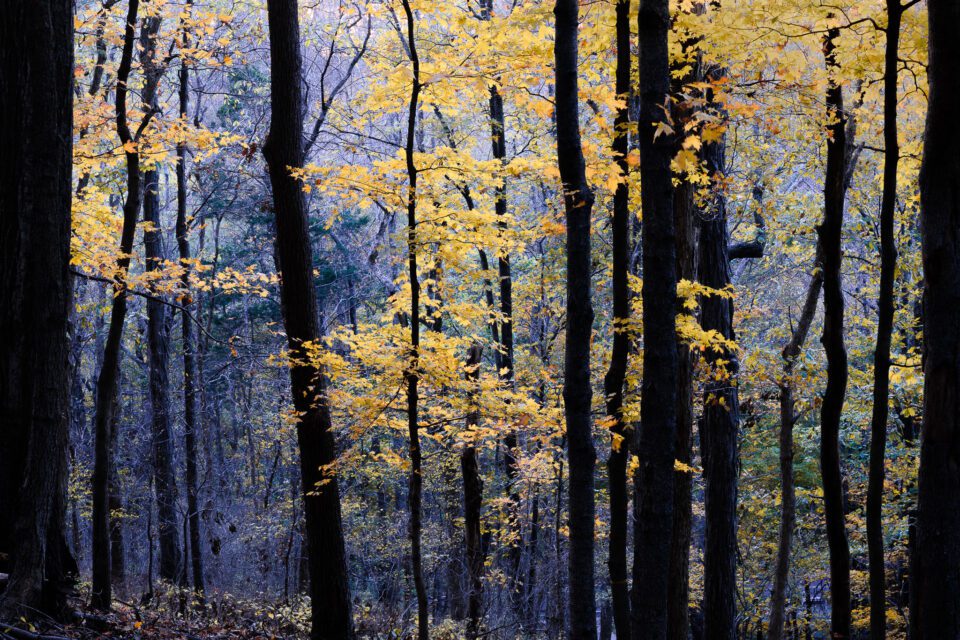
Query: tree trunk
[(616, 374), (412, 374), (935, 583), (655, 476), (831, 236), (721, 407), (101, 594), (577, 392), (881, 358), (36, 133), (331, 610), (158, 334), (788, 416), (191, 413), (472, 503)]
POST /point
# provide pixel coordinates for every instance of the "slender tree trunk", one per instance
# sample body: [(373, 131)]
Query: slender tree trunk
[(885, 302), (331, 609), (101, 594), (472, 503), (616, 374), (158, 334), (36, 134), (191, 413), (655, 476), (721, 409), (678, 596), (831, 236), (788, 417), (935, 580), (412, 373), (577, 392)]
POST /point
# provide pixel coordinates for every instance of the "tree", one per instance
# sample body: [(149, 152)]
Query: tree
[(721, 405), (36, 141), (191, 408), (654, 490), (158, 331), (830, 234), (331, 607), (613, 382), (935, 580), (101, 592), (885, 305), (577, 392), (412, 374)]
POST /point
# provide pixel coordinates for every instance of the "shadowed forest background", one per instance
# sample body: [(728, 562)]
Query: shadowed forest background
[(480, 319)]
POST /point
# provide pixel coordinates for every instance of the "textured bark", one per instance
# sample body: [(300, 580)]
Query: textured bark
[(721, 409), (191, 413), (686, 229), (577, 391), (653, 530), (412, 374), (101, 593), (788, 417), (881, 357), (331, 609), (935, 583), (36, 133), (831, 236), (158, 334), (472, 503), (616, 374)]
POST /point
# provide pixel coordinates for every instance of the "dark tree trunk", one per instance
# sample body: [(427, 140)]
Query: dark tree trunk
[(191, 413), (36, 133), (577, 392), (935, 583), (101, 594), (881, 358), (831, 237), (686, 229), (614, 380), (788, 416), (412, 374), (655, 476), (158, 334), (472, 503), (331, 610), (721, 409)]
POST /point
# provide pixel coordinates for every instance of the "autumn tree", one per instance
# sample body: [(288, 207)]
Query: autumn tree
[(331, 610), (654, 478)]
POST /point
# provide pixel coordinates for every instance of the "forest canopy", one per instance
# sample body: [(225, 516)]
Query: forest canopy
[(480, 319)]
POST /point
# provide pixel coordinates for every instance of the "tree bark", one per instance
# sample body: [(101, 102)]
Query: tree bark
[(788, 417), (412, 374), (885, 303), (36, 133), (830, 233), (158, 334), (935, 583), (721, 408), (577, 392), (101, 594), (654, 490), (191, 413), (472, 503), (331, 609), (616, 374)]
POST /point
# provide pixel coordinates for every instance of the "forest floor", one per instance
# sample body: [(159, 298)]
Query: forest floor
[(170, 617)]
